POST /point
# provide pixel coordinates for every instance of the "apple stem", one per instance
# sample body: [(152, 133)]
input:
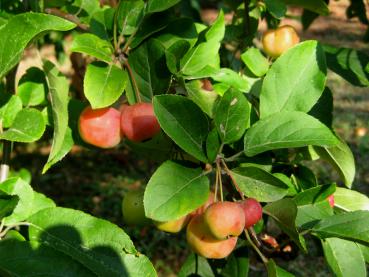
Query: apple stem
[(216, 185), (229, 173), (257, 250), (132, 36), (135, 86), (8, 228), (71, 17), (219, 173)]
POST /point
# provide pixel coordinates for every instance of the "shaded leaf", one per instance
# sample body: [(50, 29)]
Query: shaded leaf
[(23, 258), (284, 212), (184, 122), (99, 245), (196, 265)]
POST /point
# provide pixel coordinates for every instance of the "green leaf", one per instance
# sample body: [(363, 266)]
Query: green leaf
[(350, 200), (351, 226), (213, 145), (233, 79), (151, 24), (18, 32), (217, 29), (255, 61), (159, 148), (184, 122), (40, 202), (149, 69), (318, 6), (7, 204), (32, 87), (276, 7), (237, 263), (284, 212), (292, 190), (14, 235), (205, 99), (99, 245), (349, 64), (84, 9), (323, 109), (341, 158), (16, 186), (291, 85), (129, 15), (174, 191), (28, 126), (198, 58), (104, 84), (174, 54), (276, 271), (23, 258), (308, 215), (304, 177), (196, 265), (232, 116), (102, 23), (287, 130), (10, 105), (94, 46), (160, 5), (179, 29), (365, 251), (344, 257), (59, 93), (259, 184), (23, 173), (313, 195)]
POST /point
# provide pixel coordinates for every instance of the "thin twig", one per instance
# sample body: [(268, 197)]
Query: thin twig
[(3, 233), (216, 185), (229, 173), (135, 86), (234, 157), (219, 172), (257, 250), (67, 16)]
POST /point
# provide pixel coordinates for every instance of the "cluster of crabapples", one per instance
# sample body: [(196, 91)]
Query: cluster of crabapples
[(106, 127), (212, 229)]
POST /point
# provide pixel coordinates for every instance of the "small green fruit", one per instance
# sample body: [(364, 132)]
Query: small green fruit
[(133, 208)]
